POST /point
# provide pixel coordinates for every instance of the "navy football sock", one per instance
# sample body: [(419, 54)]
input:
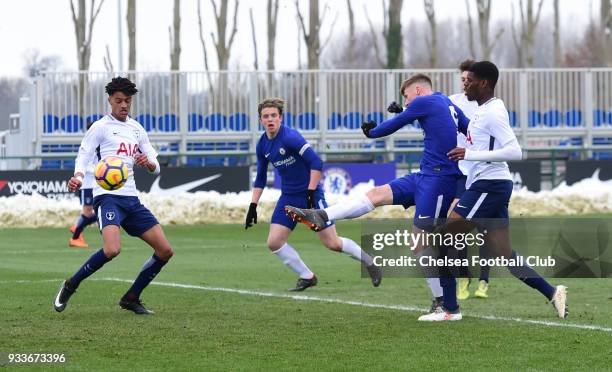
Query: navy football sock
[(448, 284), (484, 270), (82, 223), (529, 276), (150, 269), (95, 262)]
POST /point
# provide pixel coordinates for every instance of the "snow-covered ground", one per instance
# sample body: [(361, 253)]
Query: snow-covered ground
[(587, 196)]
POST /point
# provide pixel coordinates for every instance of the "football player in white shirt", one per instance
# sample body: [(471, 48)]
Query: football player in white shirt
[(118, 135), (87, 216), (490, 143), (469, 108)]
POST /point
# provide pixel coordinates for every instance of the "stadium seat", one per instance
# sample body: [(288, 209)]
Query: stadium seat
[(552, 118), (573, 118), (352, 120), (71, 124), (92, 119), (214, 161), (50, 123), (307, 121), (239, 122), (288, 120), (513, 118), (609, 117), (599, 118), (215, 122), (51, 164), (195, 122), (534, 118), (193, 161), (334, 121), (147, 121), (377, 116), (167, 123)]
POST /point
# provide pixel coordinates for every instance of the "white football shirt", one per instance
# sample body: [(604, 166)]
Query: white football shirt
[(89, 180), (116, 138), (489, 130), (469, 108)]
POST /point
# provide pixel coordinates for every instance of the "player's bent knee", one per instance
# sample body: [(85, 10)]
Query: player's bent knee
[(111, 250), (275, 244), (166, 254)]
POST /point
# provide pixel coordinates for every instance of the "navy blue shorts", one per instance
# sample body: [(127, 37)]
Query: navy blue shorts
[(296, 200), (460, 186), (124, 211), (486, 200), (432, 196), (86, 196)]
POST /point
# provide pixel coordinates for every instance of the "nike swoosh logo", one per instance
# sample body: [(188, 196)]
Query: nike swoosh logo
[(461, 206), (421, 217), (155, 189), (266, 155)]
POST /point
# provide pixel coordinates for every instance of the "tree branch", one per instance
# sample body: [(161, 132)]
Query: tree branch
[(235, 29), (331, 32), (374, 37), (301, 18)]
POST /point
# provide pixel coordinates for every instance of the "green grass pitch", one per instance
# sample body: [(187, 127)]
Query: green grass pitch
[(202, 326)]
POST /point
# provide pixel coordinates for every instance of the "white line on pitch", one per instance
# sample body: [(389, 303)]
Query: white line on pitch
[(363, 304)]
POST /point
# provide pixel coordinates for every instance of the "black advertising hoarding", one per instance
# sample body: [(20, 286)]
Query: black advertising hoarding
[(578, 170), (171, 181), (526, 173)]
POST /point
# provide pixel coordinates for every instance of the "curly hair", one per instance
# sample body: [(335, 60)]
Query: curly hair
[(121, 84), (277, 103)]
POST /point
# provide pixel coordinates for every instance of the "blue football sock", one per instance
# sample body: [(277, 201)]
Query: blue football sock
[(82, 223), (95, 262), (529, 276), (150, 269)]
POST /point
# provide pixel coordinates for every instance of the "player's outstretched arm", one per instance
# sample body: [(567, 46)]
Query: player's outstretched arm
[(509, 152), (415, 110)]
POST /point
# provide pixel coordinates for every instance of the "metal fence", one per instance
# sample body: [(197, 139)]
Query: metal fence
[(185, 111)]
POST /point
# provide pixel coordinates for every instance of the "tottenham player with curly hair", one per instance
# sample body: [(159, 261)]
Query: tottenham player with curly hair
[(118, 135)]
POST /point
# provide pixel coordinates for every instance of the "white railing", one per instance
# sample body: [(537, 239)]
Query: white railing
[(549, 108)]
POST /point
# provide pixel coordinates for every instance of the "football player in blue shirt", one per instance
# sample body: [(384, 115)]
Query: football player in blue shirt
[(431, 190), (300, 170)]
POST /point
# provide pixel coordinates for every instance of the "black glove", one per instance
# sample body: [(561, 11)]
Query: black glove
[(251, 216), (310, 199), (366, 127), (395, 108)]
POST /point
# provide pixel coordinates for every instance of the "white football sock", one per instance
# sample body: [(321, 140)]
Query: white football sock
[(351, 209), (354, 250), (434, 285), (292, 259)]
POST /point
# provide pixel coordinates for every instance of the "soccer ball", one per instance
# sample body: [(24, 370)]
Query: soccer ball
[(111, 173)]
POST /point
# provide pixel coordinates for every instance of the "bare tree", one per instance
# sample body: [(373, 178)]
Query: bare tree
[(557, 34), (606, 31), (312, 38), (204, 51), (528, 24), (83, 27), (131, 27), (484, 16), (222, 44), (430, 11), (34, 63), (175, 37), (392, 34), (272, 18), (108, 62), (351, 40), (255, 59), (470, 29)]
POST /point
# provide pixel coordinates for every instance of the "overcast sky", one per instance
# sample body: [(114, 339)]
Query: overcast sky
[(47, 25)]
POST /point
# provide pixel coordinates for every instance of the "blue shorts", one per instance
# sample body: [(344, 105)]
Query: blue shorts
[(460, 186), (432, 196), (124, 211), (486, 199), (86, 196), (296, 200)]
